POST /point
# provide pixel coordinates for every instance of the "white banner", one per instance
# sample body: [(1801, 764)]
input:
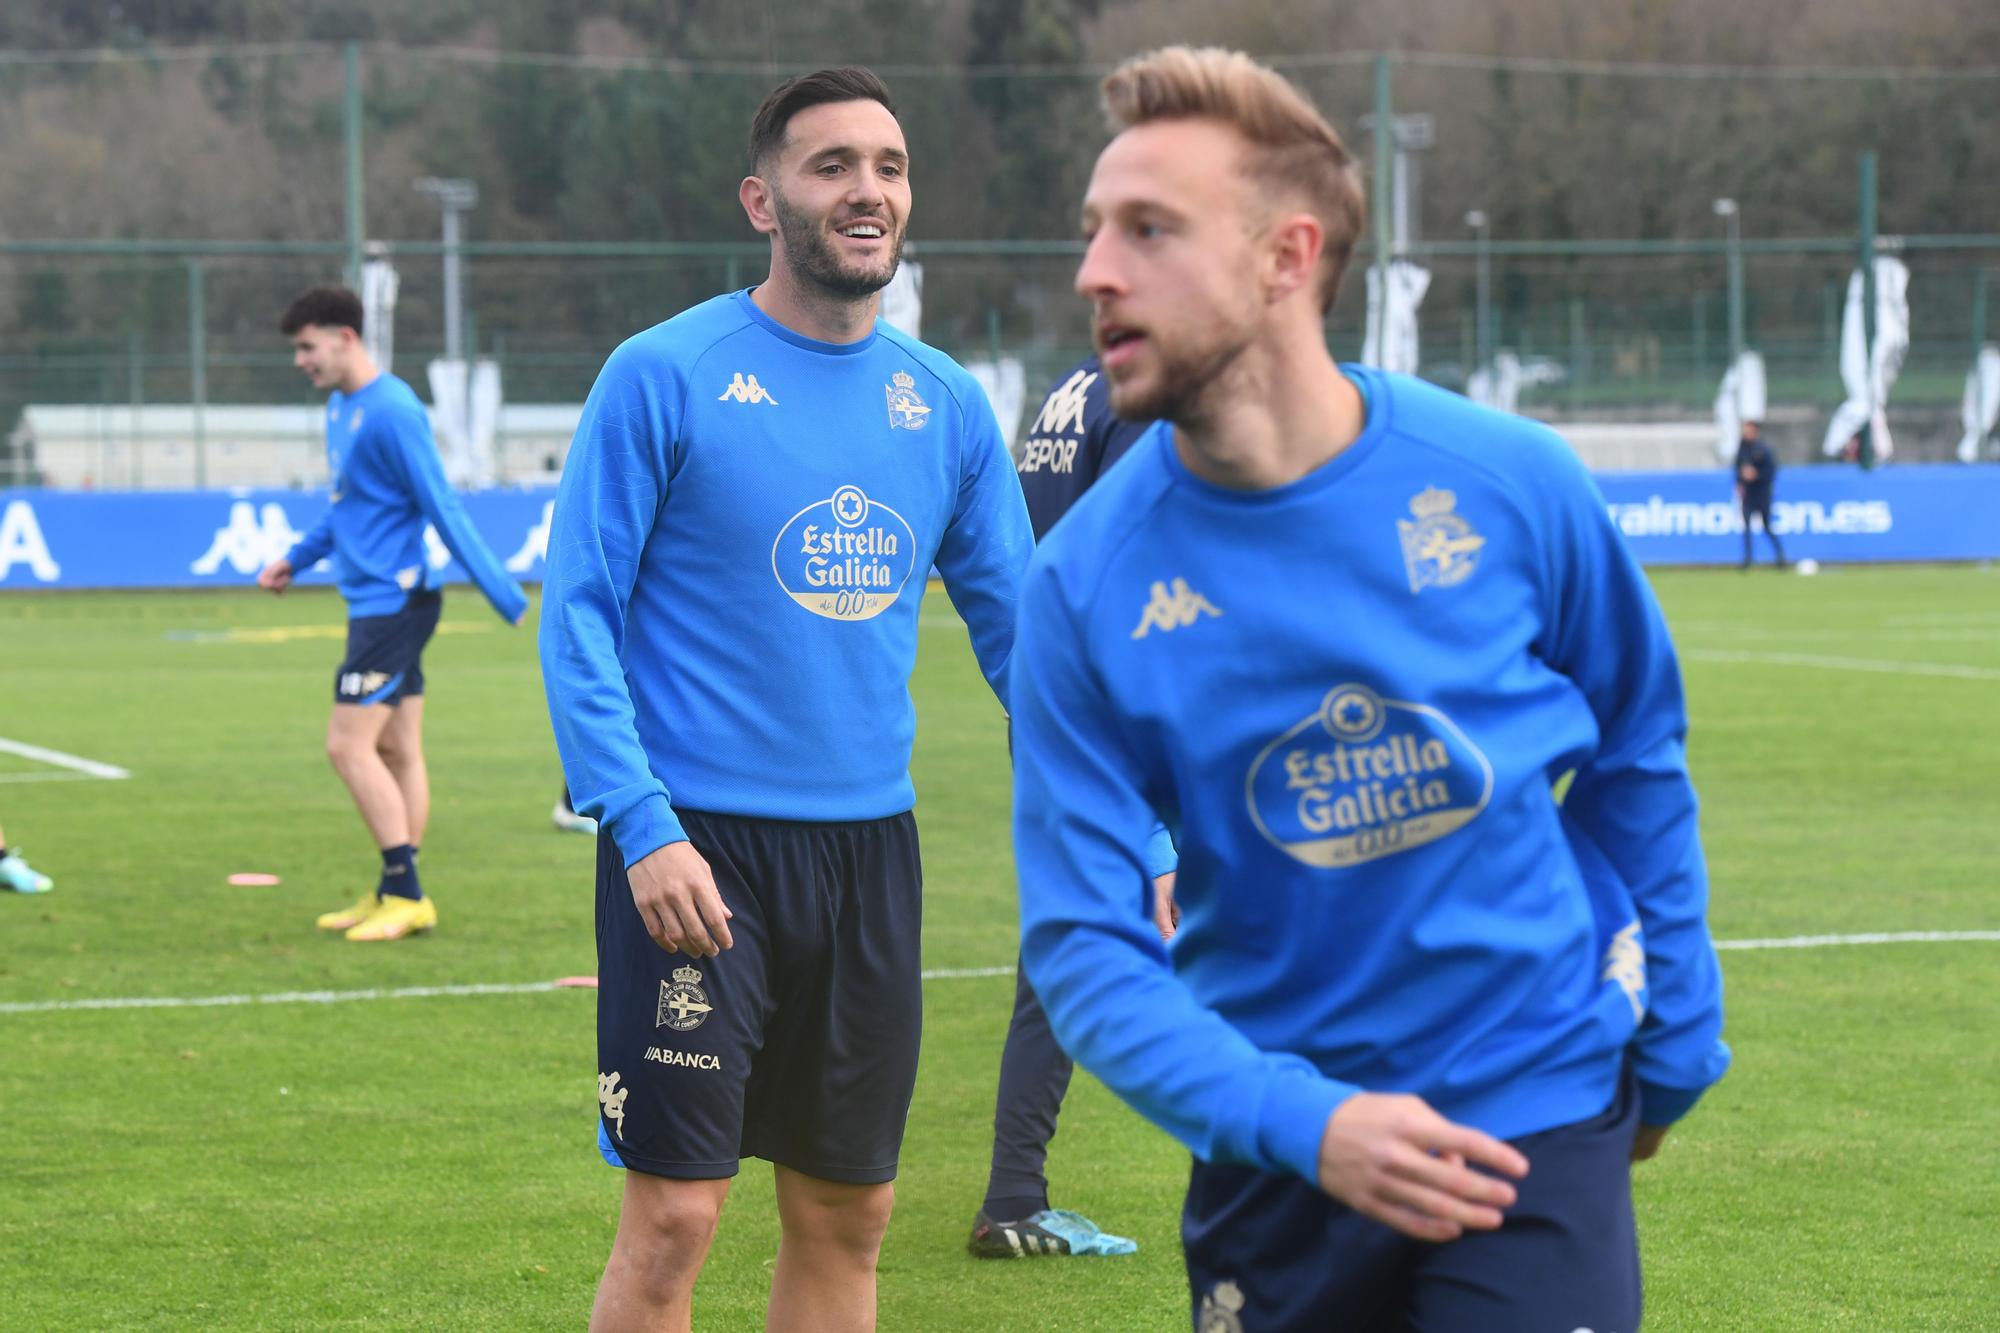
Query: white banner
[(1980, 411), (903, 298), (1497, 386), (1868, 380), (1006, 385), (465, 412), (378, 310), (1391, 342), (1741, 398)]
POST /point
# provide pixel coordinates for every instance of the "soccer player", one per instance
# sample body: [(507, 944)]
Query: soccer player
[(1756, 477), (1074, 439), (1344, 631), (16, 875), (387, 484), (756, 493)]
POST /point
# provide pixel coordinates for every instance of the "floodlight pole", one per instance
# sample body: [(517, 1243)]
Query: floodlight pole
[(1483, 319), (1731, 216), (350, 115), (455, 195)]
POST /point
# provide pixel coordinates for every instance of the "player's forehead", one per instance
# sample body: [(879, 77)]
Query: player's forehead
[(861, 128), (1185, 165)]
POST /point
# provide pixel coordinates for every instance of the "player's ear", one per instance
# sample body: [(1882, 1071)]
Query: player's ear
[(755, 195), (1292, 250)]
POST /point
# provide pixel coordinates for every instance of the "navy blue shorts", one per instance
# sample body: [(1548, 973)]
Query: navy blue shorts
[(1268, 1252), (799, 1043), (384, 662)]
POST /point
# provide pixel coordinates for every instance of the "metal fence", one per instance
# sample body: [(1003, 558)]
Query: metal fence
[(163, 207)]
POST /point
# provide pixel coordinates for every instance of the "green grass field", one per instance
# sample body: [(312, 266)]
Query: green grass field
[(427, 1162)]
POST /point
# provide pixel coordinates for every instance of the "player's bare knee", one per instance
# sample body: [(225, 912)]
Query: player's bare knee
[(672, 1222), (850, 1219)]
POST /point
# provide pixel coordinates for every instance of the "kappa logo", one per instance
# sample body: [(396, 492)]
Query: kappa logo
[(22, 543), (683, 1004), (1173, 607), (1221, 1309), (906, 410), (611, 1100), (251, 539), (745, 389), (358, 683), (1440, 549), (535, 547), (1062, 413), (1625, 966)]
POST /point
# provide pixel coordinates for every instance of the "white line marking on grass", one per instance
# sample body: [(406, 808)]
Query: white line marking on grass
[(43, 775), (1849, 664), (1825, 941), (371, 993), (933, 974), (87, 766)]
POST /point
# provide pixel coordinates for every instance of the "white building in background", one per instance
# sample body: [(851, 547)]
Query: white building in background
[(88, 446)]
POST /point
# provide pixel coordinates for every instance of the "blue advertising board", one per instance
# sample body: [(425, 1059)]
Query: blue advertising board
[(192, 539), (1832, 513), (199, 539)]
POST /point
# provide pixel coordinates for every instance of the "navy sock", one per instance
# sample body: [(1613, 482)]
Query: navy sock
[(399, 873), (1014, 1209)]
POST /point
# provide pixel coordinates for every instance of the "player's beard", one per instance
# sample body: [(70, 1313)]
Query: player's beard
[(1181, 378), (810, 253)]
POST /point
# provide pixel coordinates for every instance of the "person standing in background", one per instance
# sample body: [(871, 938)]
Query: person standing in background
[(1756, 475)]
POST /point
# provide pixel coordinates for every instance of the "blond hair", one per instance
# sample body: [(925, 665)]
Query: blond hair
[(1292, 148)]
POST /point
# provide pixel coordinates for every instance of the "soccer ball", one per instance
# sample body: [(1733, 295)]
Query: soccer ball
[(1807, 566)]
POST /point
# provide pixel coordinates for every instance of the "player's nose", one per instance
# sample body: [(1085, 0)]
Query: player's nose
[(1098, 274)]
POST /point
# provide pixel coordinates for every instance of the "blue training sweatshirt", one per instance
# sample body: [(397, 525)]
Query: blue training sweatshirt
[(738, 556), (387, 483), (1351, 696)]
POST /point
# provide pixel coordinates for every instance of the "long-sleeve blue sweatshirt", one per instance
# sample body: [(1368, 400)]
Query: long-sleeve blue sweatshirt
[(737, 559), (387, 483), (1351, 696)]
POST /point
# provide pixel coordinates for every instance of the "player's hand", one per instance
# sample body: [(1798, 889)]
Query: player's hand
[(1389, 1156), (1646, 1143), (277, 576), (1166, 912), (677, 899)]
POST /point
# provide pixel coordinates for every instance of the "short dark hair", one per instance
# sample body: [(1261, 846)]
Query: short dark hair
[(849, 83), (332, 307)]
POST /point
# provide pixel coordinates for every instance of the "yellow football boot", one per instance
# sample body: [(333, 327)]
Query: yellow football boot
[(394, 917), (349, 917)]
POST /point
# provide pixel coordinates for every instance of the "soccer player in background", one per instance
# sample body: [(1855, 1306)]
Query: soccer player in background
[(1344, 631), (388, 482), (16, 875), (1756, 477), (756, 493), (1073, 440)]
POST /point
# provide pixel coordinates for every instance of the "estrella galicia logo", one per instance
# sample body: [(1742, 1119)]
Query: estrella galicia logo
[(845, 558), (1365, 777)]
